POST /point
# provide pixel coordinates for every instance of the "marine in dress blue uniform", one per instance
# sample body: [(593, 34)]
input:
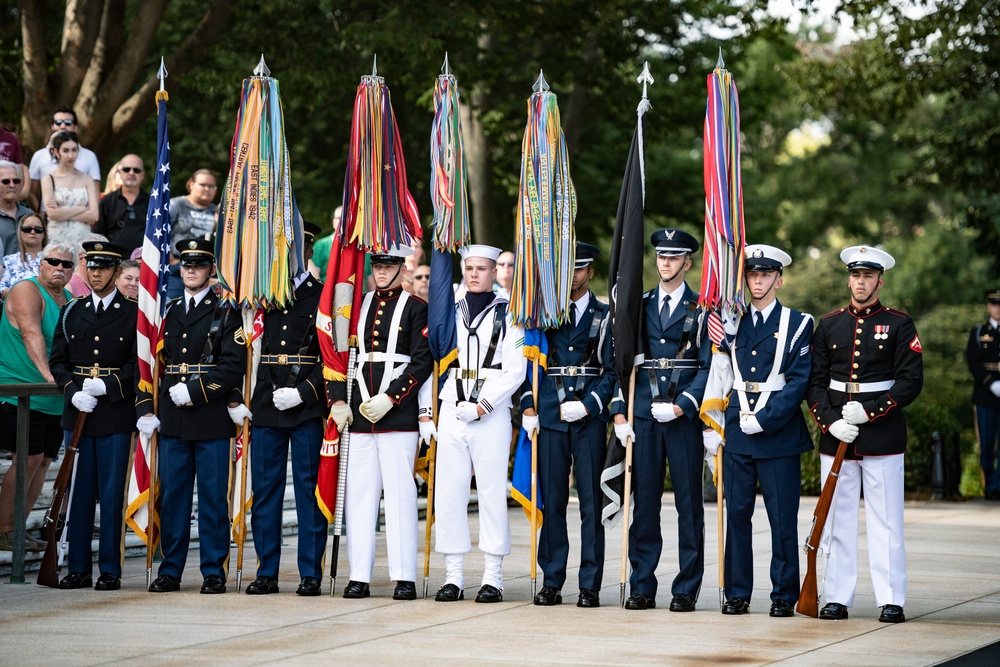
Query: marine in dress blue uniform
[(669, 387), (983, 356), (200, 404), (766, 433), (867, 366), (572, 421), (289, 406), (93, 359)]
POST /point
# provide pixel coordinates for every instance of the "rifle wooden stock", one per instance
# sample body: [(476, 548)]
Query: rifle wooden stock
[(808, 604), (55, 517)]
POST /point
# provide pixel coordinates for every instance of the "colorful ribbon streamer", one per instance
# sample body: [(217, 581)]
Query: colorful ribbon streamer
[(448, 174)]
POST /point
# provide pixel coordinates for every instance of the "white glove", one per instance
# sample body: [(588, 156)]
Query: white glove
[(341, 416), (844, 431), (376, 407), (663, 412), (710, 460), (147, 424), (995, 387), (624, 432), (711, 440), (286, 398), (572, 411), (530, 424), (239, 413), (180, 395), (467, 412), (83, 401), (853, 413), (95, 387), (427, 431), (750, 425)]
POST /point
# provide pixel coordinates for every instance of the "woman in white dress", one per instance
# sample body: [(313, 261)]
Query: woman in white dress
[(70, 195)]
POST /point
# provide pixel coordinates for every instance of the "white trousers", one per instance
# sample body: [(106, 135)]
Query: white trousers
[(882, 479), (377, 462), (483, 446)]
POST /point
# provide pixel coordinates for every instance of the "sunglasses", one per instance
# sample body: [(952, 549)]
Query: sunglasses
[(129, 170), (65, 123), (8, 181), (427, 277), (33, 230), (52, 261), (505, 264)]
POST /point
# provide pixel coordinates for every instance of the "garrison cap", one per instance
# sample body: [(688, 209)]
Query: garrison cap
[(671, 242)]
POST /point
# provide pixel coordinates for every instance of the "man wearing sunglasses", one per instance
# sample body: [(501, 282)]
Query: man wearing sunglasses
[(11, 210), (42, 164), (123, 212), (10, 150)]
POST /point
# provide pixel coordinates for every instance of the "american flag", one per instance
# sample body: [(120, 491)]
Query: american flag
[(152, 304)]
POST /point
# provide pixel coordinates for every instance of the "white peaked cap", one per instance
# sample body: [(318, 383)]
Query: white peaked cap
[(866, 257)]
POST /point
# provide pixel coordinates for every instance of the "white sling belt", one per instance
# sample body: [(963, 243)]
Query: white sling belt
[(390, 359), (775, 379)]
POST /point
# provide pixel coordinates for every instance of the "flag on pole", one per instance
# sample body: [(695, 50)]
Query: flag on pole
[(536, 350), (256, 325), (625, 290), (448, 174), (153, 276)]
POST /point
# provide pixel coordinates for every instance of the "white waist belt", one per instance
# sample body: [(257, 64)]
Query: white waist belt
[(758, 387), (383, 357), (861, 387)]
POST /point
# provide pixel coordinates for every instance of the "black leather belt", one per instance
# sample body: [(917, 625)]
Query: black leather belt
[(94, 371), (574, 371), (187, 369), (288, 359)]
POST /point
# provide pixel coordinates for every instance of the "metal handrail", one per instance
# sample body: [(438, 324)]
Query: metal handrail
[(23, 392)]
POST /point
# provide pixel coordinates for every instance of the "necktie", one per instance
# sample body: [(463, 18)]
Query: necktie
[(100, 308), (572, 314), (665, 312), (190, 304), (757, 318)]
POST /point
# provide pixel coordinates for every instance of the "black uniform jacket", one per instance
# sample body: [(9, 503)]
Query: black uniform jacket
[(106, 345), (873, 344), (184, 342), (291, 332), (983, 357), (411, 341)]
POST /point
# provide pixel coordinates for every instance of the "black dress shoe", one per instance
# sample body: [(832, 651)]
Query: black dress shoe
[(76, 580), (165, 584), (405, 590), (489, 594), (782, 609), (308, 587), (588, 598), (108, 582), (262, 586), (640, 601), (449, 593), (892, 613), (355, 590), (213, 585), (834, 611), (548, 596), (682, 602), (736, 606)]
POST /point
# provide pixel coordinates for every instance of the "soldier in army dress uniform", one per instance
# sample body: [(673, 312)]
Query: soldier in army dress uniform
[(200, 405), (983, 356), (93, 359), (867, 366)]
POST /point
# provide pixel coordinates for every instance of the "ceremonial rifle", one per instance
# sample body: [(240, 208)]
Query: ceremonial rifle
[(808, 604), (55, 517), (431, 469), (344, 450)]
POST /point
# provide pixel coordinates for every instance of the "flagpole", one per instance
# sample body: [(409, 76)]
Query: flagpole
[(431, 469), (628, 487), (344, 451), (241, 535), (719, 498), (534, 483)]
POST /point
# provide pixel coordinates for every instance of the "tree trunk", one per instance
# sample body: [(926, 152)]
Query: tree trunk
[(479, 163)]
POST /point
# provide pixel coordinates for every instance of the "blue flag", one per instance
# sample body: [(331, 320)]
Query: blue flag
[(536, 350), (441, 333)]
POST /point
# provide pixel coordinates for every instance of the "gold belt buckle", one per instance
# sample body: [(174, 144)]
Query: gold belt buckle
[(469, 374), (753, 387), (852, 387), (95, 371), (371, 357), (182, 369), (283, 359)]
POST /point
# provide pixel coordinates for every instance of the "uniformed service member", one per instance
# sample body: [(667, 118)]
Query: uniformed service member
[(867, 366), (289, 405), (983, 356), (572, 422), (474, 429), (669, 387), (766, 433), (200, 405), (93, 359), (393, 362)]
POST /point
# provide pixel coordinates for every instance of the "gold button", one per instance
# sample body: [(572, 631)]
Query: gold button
[(754, 353), (379, 312), (861, 321), (855, 365), (184, 349), (857, 342), (378, 321), (834, 346), (184, 335), (752, 369), (96, 352), (751, 400), (857, 353), (375, 333), (183, 378), (282, 343), (854, 376), (888, 402), (285, 311), (375, 343), (880, 347), (381, 303), (284, 327), (97, 338), (859, 331)]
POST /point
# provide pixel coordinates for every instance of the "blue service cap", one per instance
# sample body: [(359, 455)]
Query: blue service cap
[(670, 242), (586, 254)]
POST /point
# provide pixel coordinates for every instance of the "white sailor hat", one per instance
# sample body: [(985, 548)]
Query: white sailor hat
[(760, 257), (476, 250), (866, 257), (395, 254)]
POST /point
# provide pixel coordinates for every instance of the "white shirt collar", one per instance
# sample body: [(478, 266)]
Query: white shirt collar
[(197, 297), (675, 296), (581, 305), (766, 312), (106, 300), (994, 324), (301, 278)]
